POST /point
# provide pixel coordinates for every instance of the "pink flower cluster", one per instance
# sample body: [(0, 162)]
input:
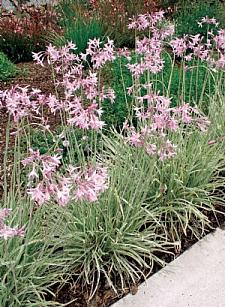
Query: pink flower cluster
[(193, 43), (60, 57), (212, 51), (81, 87), (90, 183), (146, 21), (47, 184), (157, 120), (84, 118), (179, 46), (21, 102), (219, 40), (194, 46), (82, 91), (149, 48), (6, 231), (209, 21), (99, 55)]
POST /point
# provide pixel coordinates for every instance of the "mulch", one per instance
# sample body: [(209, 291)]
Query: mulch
[(30, 74)]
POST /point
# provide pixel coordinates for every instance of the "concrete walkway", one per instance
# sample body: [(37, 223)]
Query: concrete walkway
[(195, 279), (6, 4)]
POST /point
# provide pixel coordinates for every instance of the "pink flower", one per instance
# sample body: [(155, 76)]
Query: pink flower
[(159, 122), (80, 184), (90, 183), (63, 192), (7, 232), (33, 174), (107, 93), (4, 213), (34, 156), (85, 118), (39, 194), (59, 57), (39, 57), (209, 21), (188, 57), (167, 31), (135, 139), (21, 102), (150, 49), (142, 22), (167, 151), (100, 55), (145, 21), (142, 114), (220, 40), (53, 103), (179, 46), (124, 52), (185, 111), (202, 123), (136, 69), (220, 63), (194, 40), (201, 52), (151, 149)]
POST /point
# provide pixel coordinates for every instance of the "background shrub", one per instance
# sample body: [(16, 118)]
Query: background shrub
[(82, 20), (190, 13), (7, 68), (115, 15), (23, 31)]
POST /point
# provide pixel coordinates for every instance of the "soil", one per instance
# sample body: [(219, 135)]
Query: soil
[(40, 77), (29, 74)]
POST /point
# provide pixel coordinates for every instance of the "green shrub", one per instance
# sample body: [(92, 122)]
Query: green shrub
[(148, 204), (7, 68), (119, 79)]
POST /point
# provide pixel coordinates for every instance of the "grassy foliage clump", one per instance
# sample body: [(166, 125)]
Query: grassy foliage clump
[(78, 25)]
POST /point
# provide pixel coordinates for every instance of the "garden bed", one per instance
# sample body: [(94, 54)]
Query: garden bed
[(112, 159), (38, 76)]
